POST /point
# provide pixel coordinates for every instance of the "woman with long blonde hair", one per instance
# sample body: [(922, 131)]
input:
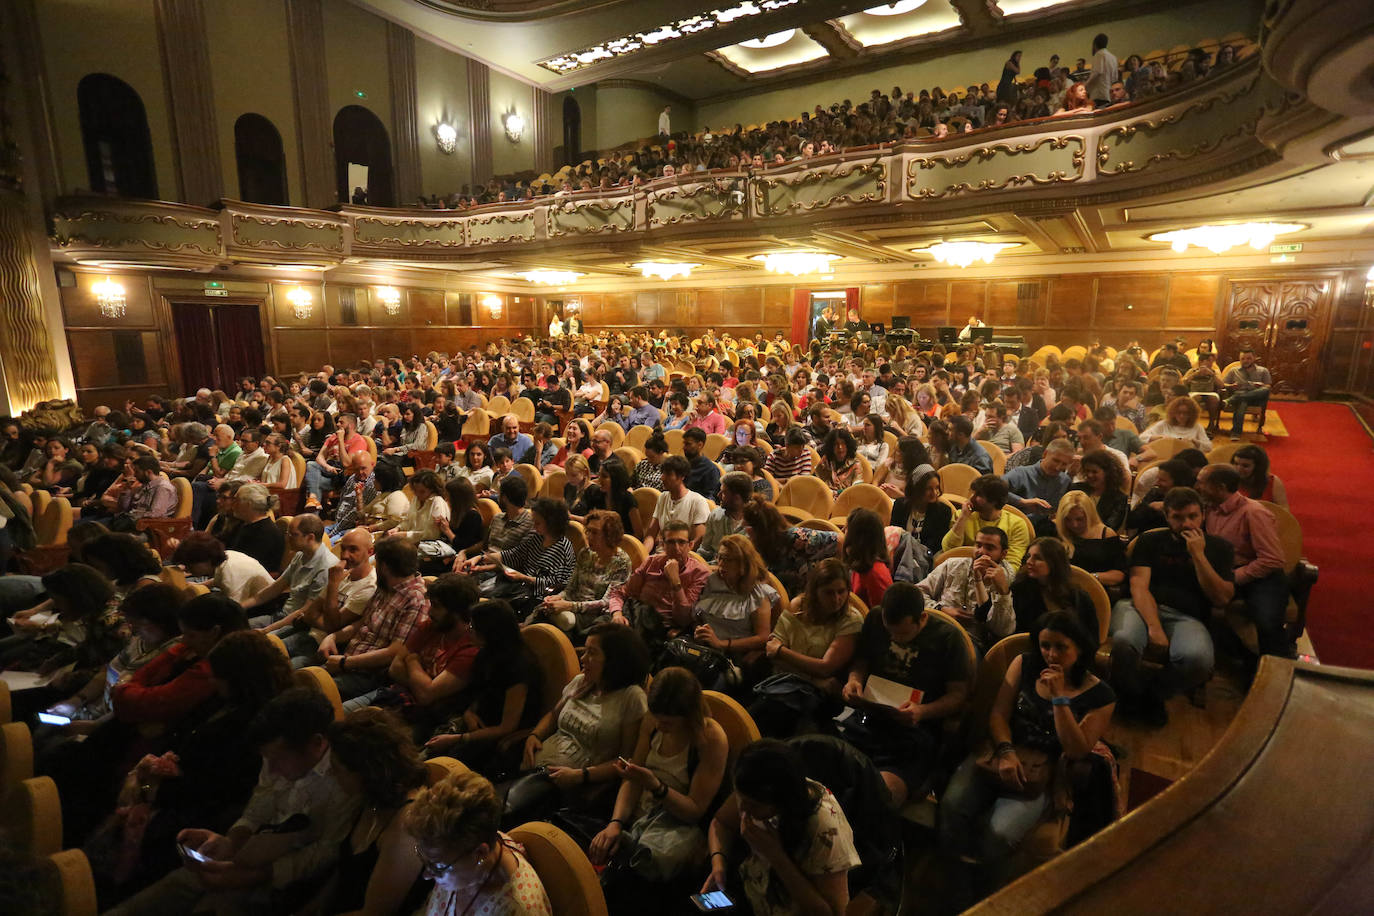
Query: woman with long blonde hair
[(1091, 545)]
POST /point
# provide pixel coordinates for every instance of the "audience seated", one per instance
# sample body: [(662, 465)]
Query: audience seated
[(160, 690)]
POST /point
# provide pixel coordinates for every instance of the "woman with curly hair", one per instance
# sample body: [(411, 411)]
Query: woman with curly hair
[(476, 869), (372, 756), (1102, 480), (840, 467)]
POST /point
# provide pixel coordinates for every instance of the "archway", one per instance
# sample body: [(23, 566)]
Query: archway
[(362, 148), (261, 160), (114, 131)]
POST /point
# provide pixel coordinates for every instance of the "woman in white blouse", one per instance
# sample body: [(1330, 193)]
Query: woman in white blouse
[(421, 522), (280, 470)]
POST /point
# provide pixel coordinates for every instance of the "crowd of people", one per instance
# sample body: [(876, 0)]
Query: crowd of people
[(198, 777), (1023, 92)]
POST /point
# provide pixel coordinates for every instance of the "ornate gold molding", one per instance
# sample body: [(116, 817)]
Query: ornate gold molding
[(67, 239), (762, 186), (359, 222), (987, 153), (239, 220), (716, 189), (611, 208), (501, 219)]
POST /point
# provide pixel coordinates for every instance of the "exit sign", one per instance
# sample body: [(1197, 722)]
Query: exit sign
[(1290, 248), (217, 292), (214, 284)]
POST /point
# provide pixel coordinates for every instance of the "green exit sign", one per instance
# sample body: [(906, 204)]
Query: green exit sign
[(1290, 248), (358, 93), (214, 284)]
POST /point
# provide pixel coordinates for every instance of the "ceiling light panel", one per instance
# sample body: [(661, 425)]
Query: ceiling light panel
[(573, 61), (1017, 7), (881, 25), (765, 55)]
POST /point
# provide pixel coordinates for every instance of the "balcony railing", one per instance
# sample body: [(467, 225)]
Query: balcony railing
[(1214, 131)]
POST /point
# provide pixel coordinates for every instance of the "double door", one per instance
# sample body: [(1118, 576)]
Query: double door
[(1285, 321)]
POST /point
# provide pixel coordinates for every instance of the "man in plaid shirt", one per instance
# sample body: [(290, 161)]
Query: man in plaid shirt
[(359, 654)]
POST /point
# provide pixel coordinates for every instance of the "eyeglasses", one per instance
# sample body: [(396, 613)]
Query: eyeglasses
[(432, 868)]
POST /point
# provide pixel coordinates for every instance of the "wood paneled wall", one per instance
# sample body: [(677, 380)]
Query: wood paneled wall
[(1060, 310)]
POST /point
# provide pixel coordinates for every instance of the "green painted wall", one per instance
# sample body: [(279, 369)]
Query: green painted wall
[(262, 88), (118, 37), (631, 113), (507, 94), (441, 93), (1135, 35), (356, 59)]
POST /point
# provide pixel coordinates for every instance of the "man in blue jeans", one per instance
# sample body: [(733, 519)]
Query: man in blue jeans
[(1177, 577), (1246, 384)]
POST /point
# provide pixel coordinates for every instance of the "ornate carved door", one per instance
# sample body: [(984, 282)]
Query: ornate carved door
[(1286, 322)]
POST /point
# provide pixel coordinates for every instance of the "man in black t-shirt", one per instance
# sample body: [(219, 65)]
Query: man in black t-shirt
[(906, 644), (1177, 577)]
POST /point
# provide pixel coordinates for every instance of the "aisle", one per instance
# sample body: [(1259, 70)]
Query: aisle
[(1327, 464)]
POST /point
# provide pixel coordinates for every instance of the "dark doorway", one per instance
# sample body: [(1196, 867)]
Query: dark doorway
[(261, 161), (360, 139), (572, 131), (114, 130), (218, 344)]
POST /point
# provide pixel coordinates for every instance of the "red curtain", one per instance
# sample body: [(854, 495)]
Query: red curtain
[(851, 301), (193, 325), (240, 344), (801, 316)]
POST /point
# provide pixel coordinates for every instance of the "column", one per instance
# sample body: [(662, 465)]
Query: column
[(314, 128), (405, 137), (34, 365), (191, 100), (479, 108), (544, 129)]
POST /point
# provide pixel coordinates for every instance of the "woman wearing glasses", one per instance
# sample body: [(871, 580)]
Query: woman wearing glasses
[(476, 868)]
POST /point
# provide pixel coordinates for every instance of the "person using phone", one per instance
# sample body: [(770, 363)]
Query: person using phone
[(289, 834), (798, 847), (666, 789)]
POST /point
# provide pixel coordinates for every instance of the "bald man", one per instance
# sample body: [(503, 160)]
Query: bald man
[(349, 585), (224, 455), (357, 491)]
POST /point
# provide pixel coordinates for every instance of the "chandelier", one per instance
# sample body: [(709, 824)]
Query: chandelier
[(796, 263), (446, 135), (1217, 239), (110, 296), (664, 271), (550, 277), (962, 254), (493, 304), (390, 297), (302, 303)]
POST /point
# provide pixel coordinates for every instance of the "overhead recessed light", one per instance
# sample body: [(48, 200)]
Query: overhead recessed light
[(770, 41), (1217, 239), (895, 9)]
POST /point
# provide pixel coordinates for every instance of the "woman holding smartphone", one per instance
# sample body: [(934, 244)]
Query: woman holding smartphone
[(798, 847)]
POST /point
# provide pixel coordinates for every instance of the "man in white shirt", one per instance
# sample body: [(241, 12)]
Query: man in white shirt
[(677, 503), (665, 125), (1104, 73), (976, 590), (349, 585)]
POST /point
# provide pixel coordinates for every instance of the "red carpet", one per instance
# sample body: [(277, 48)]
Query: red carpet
[(1327, 464)]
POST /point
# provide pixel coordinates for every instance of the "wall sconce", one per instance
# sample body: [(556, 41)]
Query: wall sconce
[(494, 305), (447, 137), (302, 303), (110, 296), (390, 297), (515, 126)]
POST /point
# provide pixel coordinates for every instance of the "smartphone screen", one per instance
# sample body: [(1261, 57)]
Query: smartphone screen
[(715, 900), (52, 718), (193, 854)]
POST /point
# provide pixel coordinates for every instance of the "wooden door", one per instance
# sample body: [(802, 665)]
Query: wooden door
[(1285, 321)]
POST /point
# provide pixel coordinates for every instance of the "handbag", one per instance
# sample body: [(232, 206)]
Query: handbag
[(712, 667), (1037, 765), (790, 690)]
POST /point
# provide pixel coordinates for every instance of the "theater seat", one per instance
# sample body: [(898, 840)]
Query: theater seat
[(567, 874)]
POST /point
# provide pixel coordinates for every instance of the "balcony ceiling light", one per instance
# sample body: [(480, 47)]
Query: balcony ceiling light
[(796, 263), (963, 254), (550, 277), (1217, 239), (664, 270)]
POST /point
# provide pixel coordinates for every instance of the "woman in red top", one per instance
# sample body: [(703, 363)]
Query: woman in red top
[(865, 554)]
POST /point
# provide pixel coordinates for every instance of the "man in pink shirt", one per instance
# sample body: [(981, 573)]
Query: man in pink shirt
[(658, 598), (1251, 529), (706, 418)]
